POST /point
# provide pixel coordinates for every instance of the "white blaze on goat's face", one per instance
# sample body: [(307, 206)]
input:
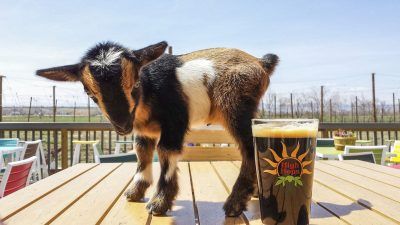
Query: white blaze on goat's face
[(106, 57), (195, 76)]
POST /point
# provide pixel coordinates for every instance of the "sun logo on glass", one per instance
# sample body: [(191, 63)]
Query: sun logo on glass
[(288, 168)]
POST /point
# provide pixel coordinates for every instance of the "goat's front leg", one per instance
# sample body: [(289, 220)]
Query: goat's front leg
[(169, 149), (143, 177), (167, 187)]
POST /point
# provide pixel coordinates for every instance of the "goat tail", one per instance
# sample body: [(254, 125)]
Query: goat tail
[(269, 62)]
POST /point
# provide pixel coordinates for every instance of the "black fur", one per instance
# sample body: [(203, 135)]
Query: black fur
[(116, 105), (167, 189), (163, 92), (109, 79), (270, 61), (239, 125)]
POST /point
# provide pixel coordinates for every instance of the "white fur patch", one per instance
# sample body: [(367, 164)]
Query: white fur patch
[(191, 76), (172, 166), (106, 58), (145, 175)]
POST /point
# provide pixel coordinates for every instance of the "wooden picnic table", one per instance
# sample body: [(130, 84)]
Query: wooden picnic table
[(350, 192)]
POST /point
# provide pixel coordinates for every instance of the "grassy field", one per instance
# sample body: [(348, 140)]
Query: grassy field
[(99, 118), (59, 118)]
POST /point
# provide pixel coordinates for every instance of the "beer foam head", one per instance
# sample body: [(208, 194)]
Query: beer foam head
[(285, 128)]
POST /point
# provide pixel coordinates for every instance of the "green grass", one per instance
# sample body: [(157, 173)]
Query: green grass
[(66, 119)]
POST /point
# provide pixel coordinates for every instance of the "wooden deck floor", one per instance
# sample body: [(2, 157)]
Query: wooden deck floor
[(350, 192)]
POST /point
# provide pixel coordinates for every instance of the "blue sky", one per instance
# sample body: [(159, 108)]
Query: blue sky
[(333, 43)]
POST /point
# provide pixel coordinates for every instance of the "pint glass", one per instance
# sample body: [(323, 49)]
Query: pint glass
[(285, 154)]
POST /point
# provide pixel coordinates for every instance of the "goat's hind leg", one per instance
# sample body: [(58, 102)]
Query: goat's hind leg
[(239, 125), (143, 177)]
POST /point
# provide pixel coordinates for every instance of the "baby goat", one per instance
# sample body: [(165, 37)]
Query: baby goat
[(161, 96)]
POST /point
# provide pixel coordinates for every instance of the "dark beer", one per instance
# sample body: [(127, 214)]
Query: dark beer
[(285, 153)]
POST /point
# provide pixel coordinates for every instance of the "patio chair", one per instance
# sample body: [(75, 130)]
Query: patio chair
[(119, 143), (9, 155), (395, 166), (35, 148), (118, 158), (325, 142), (363, 156), (210, 143), (16, 176), (9, 142), (379, 151), (97, 151), (395, 150)]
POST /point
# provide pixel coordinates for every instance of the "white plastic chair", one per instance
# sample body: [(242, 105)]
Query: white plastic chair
[(35, 148), (77, 150), (10, 155), (119, 143)]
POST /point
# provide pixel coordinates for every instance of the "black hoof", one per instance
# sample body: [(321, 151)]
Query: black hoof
[(158, 206), (234, 207)]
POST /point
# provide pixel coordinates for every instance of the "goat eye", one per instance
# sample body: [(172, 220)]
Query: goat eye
[(88, 93), (94, 99)]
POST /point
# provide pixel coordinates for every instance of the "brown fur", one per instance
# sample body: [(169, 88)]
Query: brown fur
[(240, 82), (232, 67), (90, 83), (128, 80)]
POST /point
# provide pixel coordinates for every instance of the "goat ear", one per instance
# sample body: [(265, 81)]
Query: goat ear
[(150, 53), (61, 73)]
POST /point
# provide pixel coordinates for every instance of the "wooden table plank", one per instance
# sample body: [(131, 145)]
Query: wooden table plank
[(321, 216), (358, 192), (375, 167), (362, 181), (210, 195), (228, 173), (345, 208), (101, 196), (54, 203), (19, 200), (361, 195), (182, 211), (132, 213), (378, 176)]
